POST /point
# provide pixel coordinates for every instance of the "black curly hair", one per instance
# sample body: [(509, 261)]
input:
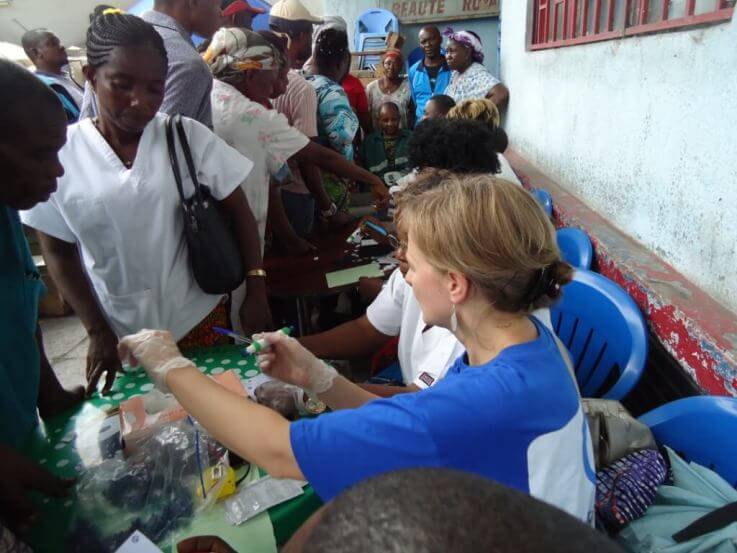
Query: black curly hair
[(113, 30), (457, 145), (330, 50)]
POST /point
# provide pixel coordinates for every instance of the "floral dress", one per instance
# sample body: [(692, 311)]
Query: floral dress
[(473, 84), (337, 125)]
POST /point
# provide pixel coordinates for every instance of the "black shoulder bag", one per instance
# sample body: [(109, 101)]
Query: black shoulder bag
[(213, 254)]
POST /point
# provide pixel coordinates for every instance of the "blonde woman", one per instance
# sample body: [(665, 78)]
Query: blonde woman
[(481, 257), (486, 112)]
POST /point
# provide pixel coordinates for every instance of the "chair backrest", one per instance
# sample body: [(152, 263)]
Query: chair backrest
[(367, 42), (377, 21), (605, 333), (575, 247), (545, 200), (261, 21), (701, 429)]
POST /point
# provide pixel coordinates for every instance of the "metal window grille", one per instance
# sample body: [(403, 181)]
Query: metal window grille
[(558, 23)]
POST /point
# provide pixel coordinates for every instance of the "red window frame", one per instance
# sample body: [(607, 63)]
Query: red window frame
[(570, 19)]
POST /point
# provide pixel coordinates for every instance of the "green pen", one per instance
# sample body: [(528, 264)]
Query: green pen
[(258, 345)]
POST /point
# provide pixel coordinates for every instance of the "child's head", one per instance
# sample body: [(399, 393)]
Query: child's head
[(457, 145), (33, 129), (438, 106), (126, 66), (480, 240), (389, 119), (484, 111)]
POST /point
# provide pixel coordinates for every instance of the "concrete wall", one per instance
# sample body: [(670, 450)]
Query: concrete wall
[(642, 130), (487, 29)]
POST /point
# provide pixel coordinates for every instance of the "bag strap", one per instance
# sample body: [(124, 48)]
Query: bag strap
[(188, 156), (710, 522), (173, 159)]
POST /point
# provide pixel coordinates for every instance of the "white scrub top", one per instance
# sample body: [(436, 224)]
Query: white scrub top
[(264, 135), (128, 222), (425, 354), (507, 173)]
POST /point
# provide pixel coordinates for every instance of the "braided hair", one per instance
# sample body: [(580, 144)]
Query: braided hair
[(331, 48), (113, 30)]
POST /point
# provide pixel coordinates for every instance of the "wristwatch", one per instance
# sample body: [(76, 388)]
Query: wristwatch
[(256, 273), (329, 212)]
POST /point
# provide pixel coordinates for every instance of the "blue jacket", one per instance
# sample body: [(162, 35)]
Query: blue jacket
[(419, 81)]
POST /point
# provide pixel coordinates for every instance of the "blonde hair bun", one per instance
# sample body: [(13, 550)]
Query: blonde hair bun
[(490, 230)]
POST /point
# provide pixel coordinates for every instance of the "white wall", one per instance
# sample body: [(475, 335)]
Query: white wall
[(69, 19), (643, 130)]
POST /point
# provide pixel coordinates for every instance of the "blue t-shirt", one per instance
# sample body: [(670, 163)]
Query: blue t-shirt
[(516, 420), (20, 289), (423, 89)]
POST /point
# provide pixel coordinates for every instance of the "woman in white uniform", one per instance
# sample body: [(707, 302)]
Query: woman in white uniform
[(115, 221)]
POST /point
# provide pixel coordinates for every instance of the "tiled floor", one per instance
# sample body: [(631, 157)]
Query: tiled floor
[(65, 341)]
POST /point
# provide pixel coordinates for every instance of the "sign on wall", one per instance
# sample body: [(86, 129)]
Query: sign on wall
[(423, 11)]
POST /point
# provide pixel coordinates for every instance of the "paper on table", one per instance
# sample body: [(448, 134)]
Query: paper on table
[(138, 543), (350, 276)]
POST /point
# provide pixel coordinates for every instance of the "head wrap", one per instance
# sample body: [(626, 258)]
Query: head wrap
[(393, 54), (235, 50), (468, 39)]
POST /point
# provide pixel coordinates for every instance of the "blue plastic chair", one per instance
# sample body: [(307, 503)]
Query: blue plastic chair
[(372, 28), (261, 21), (575, 247), (700, 429), (544, 199), (605, 333)]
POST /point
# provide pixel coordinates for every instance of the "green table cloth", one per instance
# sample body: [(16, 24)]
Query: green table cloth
[(70, 444)]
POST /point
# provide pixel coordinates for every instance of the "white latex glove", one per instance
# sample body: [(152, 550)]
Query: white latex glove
[(156, 351), (285, 359)]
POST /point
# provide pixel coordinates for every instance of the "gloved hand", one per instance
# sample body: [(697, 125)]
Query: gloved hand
[(285, 359), (156, 351)]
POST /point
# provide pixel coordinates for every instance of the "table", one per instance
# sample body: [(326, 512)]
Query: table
[(302, 277), (69, 444)]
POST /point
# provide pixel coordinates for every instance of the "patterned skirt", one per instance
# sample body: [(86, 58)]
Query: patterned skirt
[(203, 336)]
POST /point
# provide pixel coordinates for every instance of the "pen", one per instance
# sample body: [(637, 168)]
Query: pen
[(231, 334)]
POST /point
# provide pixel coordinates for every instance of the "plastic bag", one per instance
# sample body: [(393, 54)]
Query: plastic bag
[(285, 399), (155, 491), (259, 496)]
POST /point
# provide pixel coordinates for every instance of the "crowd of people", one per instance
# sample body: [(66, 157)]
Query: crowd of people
[(281, 134)]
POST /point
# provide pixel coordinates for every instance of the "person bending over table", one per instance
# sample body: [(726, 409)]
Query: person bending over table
[(337, 124), (482, 256), (118, 206), (33, 127), (247, 67), (470, 79)]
